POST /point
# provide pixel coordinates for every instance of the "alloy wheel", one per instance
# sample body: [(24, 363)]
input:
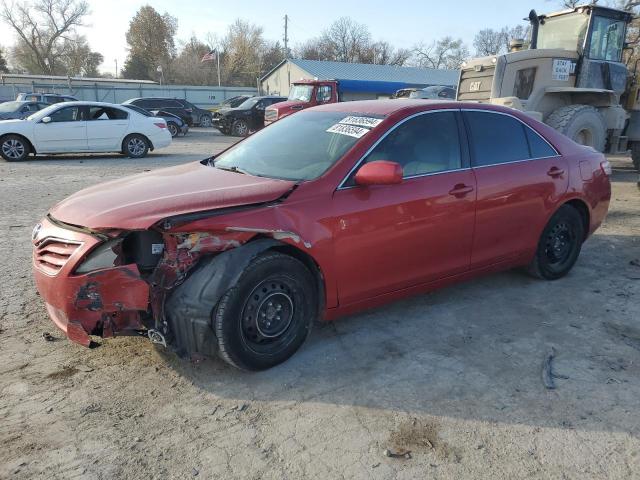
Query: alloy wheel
[(13, 148), (136, 146)]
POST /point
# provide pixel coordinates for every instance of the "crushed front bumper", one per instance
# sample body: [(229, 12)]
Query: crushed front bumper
[(104, 302)]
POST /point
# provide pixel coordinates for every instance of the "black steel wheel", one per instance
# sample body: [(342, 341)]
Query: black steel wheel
[(14, 148), (560, 245), (266, 317)]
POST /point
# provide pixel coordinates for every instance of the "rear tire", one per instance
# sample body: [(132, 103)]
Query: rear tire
[(581, 123), (265, 318), (559, 245), (135, 146), (14, 148), (173, 129), (205, 121)]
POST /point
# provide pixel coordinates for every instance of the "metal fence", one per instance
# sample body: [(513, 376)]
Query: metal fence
[(202, 97)]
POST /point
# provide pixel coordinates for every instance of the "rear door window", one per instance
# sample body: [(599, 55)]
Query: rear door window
[(539, 147), (106, 113), (496, 138)]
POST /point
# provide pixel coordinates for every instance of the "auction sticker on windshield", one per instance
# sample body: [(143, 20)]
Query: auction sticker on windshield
[(362, 121), (350, 130)]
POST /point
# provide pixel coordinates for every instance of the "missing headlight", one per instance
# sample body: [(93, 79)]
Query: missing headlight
[(143, 248)]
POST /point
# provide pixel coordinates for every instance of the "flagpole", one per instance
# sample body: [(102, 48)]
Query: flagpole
[(218, 59)]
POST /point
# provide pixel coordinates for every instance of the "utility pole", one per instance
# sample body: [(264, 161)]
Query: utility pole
[(116, 68), (286, 36)]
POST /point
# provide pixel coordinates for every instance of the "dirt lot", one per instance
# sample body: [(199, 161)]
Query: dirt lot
[(453, 376)]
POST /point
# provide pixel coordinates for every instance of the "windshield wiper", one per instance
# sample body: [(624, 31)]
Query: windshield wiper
[(232, 169)]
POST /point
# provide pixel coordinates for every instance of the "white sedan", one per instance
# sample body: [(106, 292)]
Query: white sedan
[(78, 127)]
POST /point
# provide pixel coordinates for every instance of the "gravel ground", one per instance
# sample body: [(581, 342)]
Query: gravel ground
[(454, 376)]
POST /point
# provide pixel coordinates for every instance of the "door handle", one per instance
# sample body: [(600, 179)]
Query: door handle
[(555, 172), (460, 190)]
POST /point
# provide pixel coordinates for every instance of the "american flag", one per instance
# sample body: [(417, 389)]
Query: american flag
[(209, 57)]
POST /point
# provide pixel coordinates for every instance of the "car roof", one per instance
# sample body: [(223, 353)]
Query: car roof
[(391, 106), (82, 103)]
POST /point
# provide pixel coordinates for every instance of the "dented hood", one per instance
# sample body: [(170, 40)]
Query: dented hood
[(139, 201)]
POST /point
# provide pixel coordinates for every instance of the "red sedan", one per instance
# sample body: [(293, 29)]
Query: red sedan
[(335, 209)]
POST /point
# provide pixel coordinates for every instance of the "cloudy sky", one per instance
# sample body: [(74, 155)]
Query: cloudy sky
[(401, 22)]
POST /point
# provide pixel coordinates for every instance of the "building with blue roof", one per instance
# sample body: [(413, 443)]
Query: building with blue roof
[(362, 81)]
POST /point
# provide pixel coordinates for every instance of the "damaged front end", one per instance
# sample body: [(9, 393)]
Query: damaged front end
[(115, 283)]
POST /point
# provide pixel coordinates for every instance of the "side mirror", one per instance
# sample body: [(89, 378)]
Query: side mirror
[(46, 120), (380, 172)]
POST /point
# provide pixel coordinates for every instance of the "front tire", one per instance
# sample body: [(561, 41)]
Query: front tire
[(240, 128), (581, 123), (135, 146), (205, 121), (559, 245), (265, 318), (14, 148)]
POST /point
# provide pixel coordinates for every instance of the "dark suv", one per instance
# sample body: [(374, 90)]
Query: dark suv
[(246, 117), (187, 111)]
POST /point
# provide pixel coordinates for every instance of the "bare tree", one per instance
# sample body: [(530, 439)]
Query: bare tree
[(445, 53), (243, 53), (493, 42), (45, 28), (346, 40), (488, 42), (3, 62)]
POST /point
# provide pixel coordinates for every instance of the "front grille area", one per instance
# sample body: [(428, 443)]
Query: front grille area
[(271, 115), (476, 86), (51, 254)]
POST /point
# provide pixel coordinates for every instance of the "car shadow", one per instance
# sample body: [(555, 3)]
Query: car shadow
[(475, 351)]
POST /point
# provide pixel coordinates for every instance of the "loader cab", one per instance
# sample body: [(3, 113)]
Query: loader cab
[(595, 32)]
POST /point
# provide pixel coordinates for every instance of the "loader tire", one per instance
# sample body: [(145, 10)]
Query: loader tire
[(581, 123)]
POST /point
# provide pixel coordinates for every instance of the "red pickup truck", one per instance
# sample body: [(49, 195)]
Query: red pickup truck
[(304, 94)]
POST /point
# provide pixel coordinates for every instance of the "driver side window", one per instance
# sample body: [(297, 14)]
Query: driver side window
[(67, 114), (428, 143), (324, 94)]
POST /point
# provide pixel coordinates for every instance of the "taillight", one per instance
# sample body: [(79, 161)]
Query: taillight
[(188, 110), (606, 167), (160, 125)]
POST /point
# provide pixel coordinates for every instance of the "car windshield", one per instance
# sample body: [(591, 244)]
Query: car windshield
[(234, 102), (299, 147), (9, 107), (429, 92), (301, 93), (563, 31), (248, 103)]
